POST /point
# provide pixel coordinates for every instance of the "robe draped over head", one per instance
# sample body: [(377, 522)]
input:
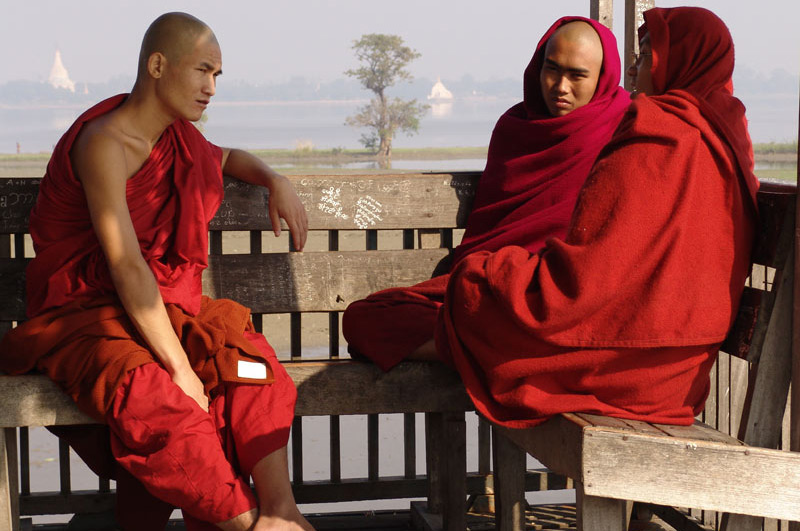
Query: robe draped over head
[(171, 199), (537, 162), (625, 315), (535, 167)]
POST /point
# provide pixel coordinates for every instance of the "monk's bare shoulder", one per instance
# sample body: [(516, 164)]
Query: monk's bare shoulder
[(103, 151)]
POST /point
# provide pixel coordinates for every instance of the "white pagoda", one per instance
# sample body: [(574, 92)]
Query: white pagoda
[(59, 77), (439, 92)]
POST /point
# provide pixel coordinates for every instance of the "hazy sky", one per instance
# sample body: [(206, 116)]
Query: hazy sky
[(274, 40)]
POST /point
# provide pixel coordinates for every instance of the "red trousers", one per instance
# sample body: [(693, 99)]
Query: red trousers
[(389, 325), (197, 461)]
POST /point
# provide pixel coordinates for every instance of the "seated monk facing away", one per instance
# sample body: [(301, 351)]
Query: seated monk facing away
[(540, 154), (625, 315), (195, 400)]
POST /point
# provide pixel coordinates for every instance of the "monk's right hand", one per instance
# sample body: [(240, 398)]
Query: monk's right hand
[(190, 384)]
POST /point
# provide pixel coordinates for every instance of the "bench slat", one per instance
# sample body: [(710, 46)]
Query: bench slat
[(314, 281), (621, 466), (324, 388), (345, 202), (278, 282)]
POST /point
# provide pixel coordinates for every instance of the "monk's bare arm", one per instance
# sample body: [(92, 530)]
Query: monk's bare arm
[(99, 162), (283, 200)]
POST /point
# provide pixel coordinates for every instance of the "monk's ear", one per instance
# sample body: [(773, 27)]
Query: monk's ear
[(156, 64)]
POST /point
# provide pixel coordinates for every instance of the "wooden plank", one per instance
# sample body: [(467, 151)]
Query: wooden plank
[(324, 387), (664, 471), (603, 12), (633, 19), (12, 289), (9, 485), (454, 457), (771, 387), (698, 432), (348, 202), (555, 443), (17, 197), (434, 440), (509, 483), (599, 514), (314, 281)]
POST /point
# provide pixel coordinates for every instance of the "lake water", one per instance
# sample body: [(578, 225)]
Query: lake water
[(288, 125)]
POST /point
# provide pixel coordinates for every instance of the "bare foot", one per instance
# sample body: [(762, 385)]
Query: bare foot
[(243, 522)]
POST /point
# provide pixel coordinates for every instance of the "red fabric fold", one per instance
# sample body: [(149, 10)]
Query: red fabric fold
[(535, 168), (177, 190), (625, 315), (89, 347)]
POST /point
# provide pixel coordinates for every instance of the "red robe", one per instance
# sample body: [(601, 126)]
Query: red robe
[(624, 317), (81, 337), (536, 165)]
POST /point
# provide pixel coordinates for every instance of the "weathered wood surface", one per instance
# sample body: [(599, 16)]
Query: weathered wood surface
[(278, 282), (682, 471), (398, 201), (603, 12), (324, 388), (358, 202), (314, 281)]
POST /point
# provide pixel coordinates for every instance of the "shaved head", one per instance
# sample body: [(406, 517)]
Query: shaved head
[(573, 60), (173, 35), (581, 34)]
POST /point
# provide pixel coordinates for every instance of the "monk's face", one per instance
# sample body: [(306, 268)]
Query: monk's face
[(571, 69), (641, 70), (189, 82)]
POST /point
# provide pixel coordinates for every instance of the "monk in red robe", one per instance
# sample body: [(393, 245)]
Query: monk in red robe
[(539, 156), (625, 315), (195, 400)]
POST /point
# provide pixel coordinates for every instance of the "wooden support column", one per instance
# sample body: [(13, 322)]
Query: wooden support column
[(603, 12), (509, 483), (454, 457), (794, 440), (633, 19), (600, 514), (9, 484)]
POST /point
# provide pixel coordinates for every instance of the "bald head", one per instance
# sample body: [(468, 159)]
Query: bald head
[(173, 35), (573, 59)]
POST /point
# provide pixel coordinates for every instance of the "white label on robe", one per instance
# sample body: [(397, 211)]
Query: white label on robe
[(249, 369)]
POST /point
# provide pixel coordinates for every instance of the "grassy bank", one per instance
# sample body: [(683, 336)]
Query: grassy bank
[(320, 160)]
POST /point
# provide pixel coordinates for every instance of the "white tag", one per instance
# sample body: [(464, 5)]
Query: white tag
[(249, 369)]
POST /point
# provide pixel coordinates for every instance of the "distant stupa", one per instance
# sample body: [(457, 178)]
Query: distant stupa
[(59, 78), (439, 92)]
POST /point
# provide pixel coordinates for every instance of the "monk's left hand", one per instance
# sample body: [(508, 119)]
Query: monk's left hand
[(284, 203)]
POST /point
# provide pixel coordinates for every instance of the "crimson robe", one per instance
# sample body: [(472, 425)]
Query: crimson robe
[(535, 167), (624, 316)]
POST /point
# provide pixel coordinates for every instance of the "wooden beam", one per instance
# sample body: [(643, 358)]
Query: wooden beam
[(633, 19), (664, 471), (603, 12), (314, 281)]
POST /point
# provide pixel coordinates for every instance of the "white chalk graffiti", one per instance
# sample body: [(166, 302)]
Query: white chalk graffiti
[(331, 204), (368, 211)]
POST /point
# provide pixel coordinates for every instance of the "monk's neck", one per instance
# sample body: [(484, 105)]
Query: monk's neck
[(143, 118)]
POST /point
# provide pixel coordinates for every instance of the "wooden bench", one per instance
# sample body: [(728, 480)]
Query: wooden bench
[(292, 287), (614, 461)]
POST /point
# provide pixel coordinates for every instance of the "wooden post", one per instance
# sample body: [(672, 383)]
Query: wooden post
[(633, 19), (603, 12), (795, 389), (600, 514), (9, 485), (509, 483)]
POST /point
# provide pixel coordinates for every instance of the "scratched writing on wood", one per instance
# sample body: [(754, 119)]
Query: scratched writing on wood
[(368, 211), (331, 203)]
